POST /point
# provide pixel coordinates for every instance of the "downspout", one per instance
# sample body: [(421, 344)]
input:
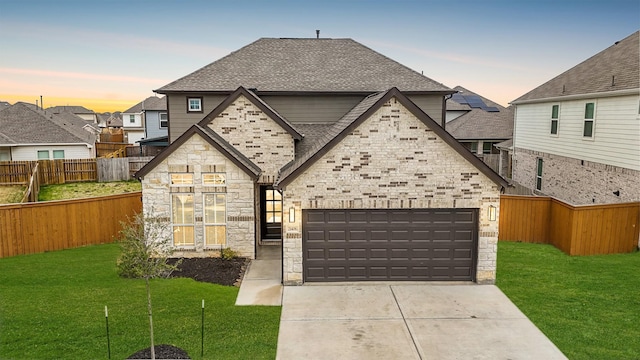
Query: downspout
[(444, 110)]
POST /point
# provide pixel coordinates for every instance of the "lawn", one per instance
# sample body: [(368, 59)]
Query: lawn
[(52, 307), (11, 194), (588, 306), (86, 189)]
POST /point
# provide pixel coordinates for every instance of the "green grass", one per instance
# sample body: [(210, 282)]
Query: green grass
[(10, 194), (86, 189), (588, 306), (52, 307)]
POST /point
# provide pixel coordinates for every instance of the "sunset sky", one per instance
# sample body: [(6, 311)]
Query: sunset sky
[(109, 55)]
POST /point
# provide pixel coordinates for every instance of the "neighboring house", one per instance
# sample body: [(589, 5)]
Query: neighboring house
[(146, 120), (4, 104), (30, 133), (577, 136), (480, 124), (339, 157), (80, 111)]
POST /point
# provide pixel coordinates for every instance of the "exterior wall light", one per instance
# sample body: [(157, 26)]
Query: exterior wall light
[(292, 215), (492, 213)]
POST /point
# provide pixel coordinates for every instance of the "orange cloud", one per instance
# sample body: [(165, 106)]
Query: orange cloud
[(97, 105)]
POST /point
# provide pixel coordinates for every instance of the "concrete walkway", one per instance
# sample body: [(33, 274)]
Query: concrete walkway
[(261, 284), (406, 321)]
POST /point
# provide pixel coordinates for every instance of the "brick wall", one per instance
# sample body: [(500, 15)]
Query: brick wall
[(392, 160), (197, 156), (256, 136), (575, 181)]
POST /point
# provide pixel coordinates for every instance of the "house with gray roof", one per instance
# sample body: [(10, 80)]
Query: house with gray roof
[(147, 120), (30, 133), (330, 151), (80, 111), (577, 136), (480, 124)]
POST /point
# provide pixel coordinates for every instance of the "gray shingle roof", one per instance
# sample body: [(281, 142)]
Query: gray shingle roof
[(25, 123), (150, 103), (72, 109), (304, 65), (619, 65), (478, 123)]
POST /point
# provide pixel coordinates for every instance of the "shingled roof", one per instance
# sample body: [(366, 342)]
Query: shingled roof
[(322, 144), (150, 103), (613, 69), (478, 123), (305, 65), (25, 123)]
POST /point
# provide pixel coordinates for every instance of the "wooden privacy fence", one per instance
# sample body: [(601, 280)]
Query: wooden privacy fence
[(576, 230), (58, 171), (105, 148), (71, 170), (55, 225)]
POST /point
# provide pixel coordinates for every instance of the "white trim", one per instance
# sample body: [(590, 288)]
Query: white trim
[(579, 96)]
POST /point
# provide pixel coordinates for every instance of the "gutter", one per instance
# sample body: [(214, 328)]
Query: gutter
[(604, 94)]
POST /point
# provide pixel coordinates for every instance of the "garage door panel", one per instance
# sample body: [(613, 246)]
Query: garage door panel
[(421, 244)]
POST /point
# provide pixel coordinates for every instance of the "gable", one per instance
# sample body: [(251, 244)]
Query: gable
[(362, 113), (394, 155), (256, 131), (189, 155)]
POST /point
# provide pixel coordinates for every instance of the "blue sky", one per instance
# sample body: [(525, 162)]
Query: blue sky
[(109, 55)]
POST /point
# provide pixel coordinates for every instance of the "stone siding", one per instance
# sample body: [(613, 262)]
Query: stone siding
[(391, 161), (256, 136), (197, 156), (576, 181)]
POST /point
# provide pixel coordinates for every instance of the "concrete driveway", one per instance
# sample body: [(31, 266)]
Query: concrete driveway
[(406, 321)]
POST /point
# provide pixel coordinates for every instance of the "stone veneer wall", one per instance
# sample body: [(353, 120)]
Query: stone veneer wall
[(392, 160), (197, 156), (575, 181), (256, 136)]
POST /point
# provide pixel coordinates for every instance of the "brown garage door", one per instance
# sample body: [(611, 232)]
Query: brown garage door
[(379, 245)]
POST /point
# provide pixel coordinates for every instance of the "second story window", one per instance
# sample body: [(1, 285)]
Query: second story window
[(589, 119), (555, 112), (194, 104), (132, 119), (164, 120)]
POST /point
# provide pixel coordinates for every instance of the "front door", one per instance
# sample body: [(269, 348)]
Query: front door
[(271, 213)]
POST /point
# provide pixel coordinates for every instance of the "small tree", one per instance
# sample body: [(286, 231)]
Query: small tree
[(146, 246)]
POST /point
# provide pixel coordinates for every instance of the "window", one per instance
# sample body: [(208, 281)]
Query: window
[(539, 175), (43, 154), (555, 111), (487, 147), (273, 206), (181, 179), (474, 147), (58, 154), (182, 223), (215, 219), (164, 120), (214, 179), (194, 104), (132, 119), (589, 119)]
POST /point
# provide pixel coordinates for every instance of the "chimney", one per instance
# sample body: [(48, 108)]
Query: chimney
[(317, 34)]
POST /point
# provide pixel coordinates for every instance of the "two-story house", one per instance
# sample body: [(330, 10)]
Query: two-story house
[(331, 151), (147, 119), (577, 136)]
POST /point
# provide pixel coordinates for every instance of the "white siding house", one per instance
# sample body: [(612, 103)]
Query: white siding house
[(577, 137)]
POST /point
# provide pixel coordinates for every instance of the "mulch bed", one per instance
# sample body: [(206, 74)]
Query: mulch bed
[(161, 352), (212, 270)]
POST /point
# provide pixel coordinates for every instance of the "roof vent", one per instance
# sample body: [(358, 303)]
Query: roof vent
[(317, 34)]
